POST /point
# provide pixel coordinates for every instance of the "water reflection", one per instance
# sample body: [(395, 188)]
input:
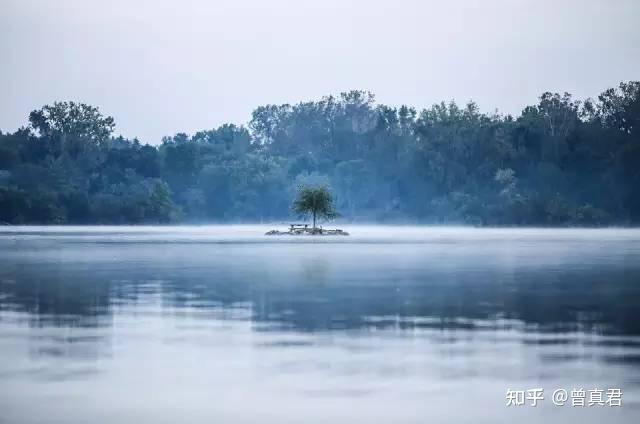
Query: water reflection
[(366, 320), (319, 296)]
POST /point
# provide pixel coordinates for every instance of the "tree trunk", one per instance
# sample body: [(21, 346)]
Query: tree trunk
[(314, 220)]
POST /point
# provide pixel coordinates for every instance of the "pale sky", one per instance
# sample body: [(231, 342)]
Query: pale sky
[(160, 67)]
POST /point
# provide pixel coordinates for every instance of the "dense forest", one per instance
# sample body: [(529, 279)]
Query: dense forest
[(560, 162)]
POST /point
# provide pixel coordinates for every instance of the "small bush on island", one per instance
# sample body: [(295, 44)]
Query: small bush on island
[(315, 201)]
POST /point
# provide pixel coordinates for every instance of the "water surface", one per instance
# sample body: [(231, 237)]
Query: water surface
[(398, 325)]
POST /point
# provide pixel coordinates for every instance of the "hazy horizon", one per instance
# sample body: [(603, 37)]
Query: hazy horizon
[(164, 67)]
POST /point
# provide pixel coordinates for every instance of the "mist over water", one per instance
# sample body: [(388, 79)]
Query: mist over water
[(391, 324)]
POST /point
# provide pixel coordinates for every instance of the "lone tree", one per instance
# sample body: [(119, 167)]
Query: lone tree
[(316, 201)]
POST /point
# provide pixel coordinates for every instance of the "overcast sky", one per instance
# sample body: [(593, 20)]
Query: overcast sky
[(160, 67)]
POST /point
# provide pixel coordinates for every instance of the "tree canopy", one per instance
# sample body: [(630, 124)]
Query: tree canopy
[(315, 201), (72, 119), (562, 161)]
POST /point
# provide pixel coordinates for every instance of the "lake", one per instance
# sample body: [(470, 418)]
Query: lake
[(221, 324)]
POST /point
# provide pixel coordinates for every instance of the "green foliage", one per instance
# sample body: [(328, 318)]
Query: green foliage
[(560, 162), (315, 201), (72, 119)]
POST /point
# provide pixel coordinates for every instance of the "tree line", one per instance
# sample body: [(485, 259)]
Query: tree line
[(560, 162)]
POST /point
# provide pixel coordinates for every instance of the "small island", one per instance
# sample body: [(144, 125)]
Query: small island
[(317, 202)]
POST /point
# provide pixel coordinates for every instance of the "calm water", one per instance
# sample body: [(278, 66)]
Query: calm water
[(390, 325)]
